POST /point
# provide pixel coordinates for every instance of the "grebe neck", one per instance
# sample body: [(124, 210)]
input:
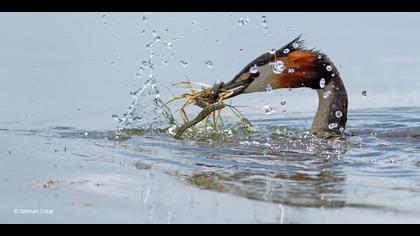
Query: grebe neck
[(331, 115)]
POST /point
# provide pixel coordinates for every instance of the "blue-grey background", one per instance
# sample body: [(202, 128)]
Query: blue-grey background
[(63, 75), (77, 69)]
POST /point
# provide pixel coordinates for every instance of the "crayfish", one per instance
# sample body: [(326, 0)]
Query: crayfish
[(211, 100)]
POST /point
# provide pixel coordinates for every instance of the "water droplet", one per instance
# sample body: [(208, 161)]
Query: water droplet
[(286, 50), (272, 51), (104, 19), (291, 70), (283, 102), (154, 33), (157, 39), (209, 64), (338, 114), (142, 32), (341, 129), (328, 68), (253, 69), (322, 83), (333, 74), (86, 133), (169, 45), (149, 46), (243, 21), (112, 63), (319, 57), (116, 118), (165, 62), (183, 63), (268, 109), (145, 19), (140, 72), (194, 22), (295, 45), (332, 126), (327, 94), (277, 67), (241, 49), (264, 21), (364, 93), (269, 88)]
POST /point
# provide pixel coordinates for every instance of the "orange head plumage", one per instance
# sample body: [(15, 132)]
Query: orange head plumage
[(291, 66)]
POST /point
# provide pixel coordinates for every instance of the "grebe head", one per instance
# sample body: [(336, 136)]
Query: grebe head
[(293, 66)]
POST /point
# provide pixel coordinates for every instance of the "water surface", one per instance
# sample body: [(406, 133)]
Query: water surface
[(65, 76)]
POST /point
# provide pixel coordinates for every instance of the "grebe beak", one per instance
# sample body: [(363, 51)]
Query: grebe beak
[(291, 66)]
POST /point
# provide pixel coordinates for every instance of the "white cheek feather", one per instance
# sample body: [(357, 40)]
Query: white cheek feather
[(260, 83)]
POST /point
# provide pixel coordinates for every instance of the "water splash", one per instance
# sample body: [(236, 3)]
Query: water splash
[(147, 111), (146, 67)]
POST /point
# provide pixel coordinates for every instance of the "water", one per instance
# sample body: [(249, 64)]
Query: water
[(243, 21), (277, 67), (62, 150), (374, 170)]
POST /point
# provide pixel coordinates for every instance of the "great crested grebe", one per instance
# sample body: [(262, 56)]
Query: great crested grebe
[(293, 66)]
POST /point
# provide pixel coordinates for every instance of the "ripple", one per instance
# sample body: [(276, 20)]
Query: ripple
[(278, 163)]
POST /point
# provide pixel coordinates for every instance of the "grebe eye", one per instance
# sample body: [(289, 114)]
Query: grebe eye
[(255, 75)]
